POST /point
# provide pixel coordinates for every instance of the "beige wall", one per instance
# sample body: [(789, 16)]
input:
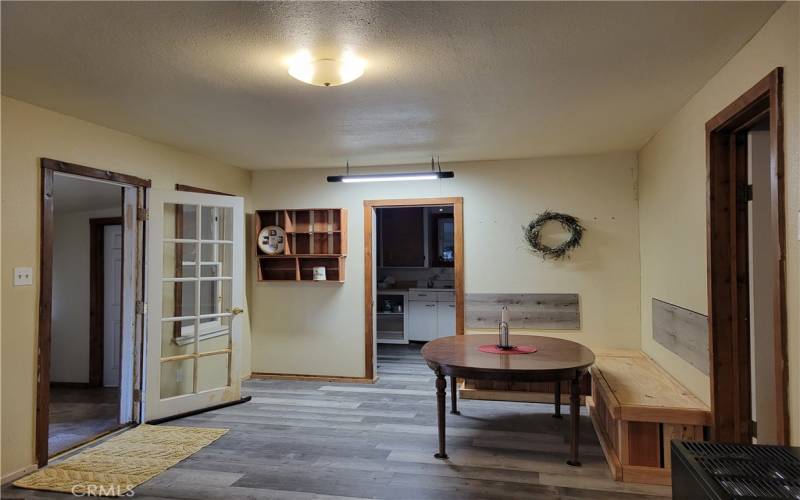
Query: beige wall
[(672, 192), (308, 328), (29, 133)]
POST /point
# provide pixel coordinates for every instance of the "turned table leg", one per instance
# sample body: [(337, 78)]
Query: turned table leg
[(557, 399), (575, 420), (441, 384), (453, 397)]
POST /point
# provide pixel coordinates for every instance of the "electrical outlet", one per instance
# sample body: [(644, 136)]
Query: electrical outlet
[(23, 276)]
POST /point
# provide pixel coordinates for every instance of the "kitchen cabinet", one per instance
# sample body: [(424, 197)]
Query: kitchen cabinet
[(446, 319), (431, 314), (415, 237), (402, 237), (422, 320)]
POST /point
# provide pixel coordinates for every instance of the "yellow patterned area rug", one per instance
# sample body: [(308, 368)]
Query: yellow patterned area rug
[(115, 467)]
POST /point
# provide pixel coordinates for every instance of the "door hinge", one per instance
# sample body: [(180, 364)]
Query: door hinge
[(141, 307), (754, 428), (142, 214), (137, 395), (748, 192)]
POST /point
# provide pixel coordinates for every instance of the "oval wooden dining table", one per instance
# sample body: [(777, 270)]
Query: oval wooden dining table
[(555, 360)]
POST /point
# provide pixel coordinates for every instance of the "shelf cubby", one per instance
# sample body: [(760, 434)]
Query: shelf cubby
[(315, 237)]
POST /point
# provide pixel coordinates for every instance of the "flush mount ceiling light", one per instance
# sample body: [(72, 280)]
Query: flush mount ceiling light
[(326, 72), (401, 176)]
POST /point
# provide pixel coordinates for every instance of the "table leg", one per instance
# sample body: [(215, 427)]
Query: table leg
[(575, 416), (441, 384), (557, 399), (453, 397)]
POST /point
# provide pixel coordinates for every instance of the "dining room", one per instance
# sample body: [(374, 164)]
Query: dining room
[(410, 250)]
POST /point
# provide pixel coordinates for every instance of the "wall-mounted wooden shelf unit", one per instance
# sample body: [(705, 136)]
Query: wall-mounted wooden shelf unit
[(314, 237)]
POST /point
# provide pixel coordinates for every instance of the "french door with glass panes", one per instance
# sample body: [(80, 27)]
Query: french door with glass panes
[(195, 285)]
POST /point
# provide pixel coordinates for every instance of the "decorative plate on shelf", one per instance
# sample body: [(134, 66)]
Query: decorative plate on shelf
[(272, 240)]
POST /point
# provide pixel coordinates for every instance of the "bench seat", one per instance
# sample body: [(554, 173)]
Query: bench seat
[(637, 409)]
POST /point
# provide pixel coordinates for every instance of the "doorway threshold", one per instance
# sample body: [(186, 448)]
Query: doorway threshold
[(88, 443)]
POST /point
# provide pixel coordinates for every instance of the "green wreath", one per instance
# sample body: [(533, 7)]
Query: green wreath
[(533, 235)]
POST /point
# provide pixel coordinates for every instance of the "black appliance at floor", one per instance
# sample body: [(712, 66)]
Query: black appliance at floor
[(702, 470)]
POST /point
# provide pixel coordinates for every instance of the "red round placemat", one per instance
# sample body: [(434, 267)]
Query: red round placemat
[(517, 349)]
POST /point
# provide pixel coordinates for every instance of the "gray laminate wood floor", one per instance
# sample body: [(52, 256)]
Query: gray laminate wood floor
[(78, 414), (313, 440)]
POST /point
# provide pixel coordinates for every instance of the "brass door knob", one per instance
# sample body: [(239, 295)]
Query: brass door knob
[(237, 310)]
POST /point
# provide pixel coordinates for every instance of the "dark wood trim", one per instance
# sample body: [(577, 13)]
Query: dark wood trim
[(369, 214), (727, 242), (778, 222), (48, 169), (94, 173), (192, 189), (45, 315), (97, 296)]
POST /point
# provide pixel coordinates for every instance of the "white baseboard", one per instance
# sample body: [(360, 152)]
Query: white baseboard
[(18, 474)]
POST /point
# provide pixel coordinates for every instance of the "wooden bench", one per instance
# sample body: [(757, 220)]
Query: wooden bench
[(637, 409)]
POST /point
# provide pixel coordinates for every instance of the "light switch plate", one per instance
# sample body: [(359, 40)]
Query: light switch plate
[(23, 276)]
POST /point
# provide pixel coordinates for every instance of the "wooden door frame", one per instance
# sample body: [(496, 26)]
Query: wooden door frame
[(49, 168), (727, 246), (458, 266), (97, 296)]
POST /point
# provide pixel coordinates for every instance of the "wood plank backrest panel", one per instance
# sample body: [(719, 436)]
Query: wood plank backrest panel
[(551, 311), (682, 331)]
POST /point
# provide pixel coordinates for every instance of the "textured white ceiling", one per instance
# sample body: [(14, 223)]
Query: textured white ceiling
[(463, 80)]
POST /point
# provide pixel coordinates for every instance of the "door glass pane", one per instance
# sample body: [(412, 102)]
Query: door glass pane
[(215, 296), (210, 223), (178, 299), (178, 260), (210, 270), (213, 372), (217, 223), (180, 221), (220, 254), (210, 299), (217, 343), (177, 378), (177, 338)]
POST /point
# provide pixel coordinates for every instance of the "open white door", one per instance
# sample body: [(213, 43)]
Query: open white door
[(195, 285)]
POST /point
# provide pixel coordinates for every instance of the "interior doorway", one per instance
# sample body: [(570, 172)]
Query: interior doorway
[(414, 282), (746, 268), (89, 333)]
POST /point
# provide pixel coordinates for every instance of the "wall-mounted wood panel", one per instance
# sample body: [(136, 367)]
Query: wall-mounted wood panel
[(683, 332), (548, 311)]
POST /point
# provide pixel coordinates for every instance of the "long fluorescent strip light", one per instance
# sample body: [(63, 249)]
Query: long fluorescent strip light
[(410, 176)]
